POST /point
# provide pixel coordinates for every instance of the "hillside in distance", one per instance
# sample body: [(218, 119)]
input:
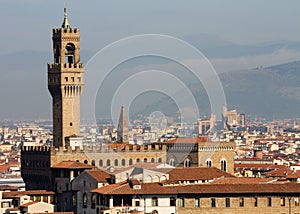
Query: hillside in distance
[(272, 92), (269, 92)]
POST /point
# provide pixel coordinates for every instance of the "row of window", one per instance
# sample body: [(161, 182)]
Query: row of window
[(72, 90), (57, 79), (123, 162), (187, 163), (213, 202)]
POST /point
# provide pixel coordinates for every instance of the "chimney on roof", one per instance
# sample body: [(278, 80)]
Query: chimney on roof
[(135, 183)]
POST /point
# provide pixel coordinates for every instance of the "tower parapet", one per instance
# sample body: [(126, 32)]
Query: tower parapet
[(56, 31)]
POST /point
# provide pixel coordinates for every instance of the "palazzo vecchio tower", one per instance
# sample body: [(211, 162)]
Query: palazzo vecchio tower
[(65, 82)]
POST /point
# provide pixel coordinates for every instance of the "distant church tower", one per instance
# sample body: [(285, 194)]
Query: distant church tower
[(65, 82), (122, 127)]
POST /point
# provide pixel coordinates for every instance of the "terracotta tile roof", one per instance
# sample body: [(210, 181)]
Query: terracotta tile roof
[(295, 174), (124, 188), (7, 187), (158, 189), (72, 165), (250, 188), (4, 168), (196, 173), (14, 194), (39, 192), (279, 173), (243, 180), (18, 194), (135, 182), (258, 166), (99, 175)]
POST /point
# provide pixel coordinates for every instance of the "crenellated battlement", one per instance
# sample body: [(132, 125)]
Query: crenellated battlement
[(66, 150), (217, 146), (65, 30), (125, 148), (35, 149)]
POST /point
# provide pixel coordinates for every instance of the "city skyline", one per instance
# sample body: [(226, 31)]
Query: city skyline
[(162, 164)]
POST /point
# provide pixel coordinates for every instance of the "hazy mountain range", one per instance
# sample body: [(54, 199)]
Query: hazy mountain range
[(270, 91)]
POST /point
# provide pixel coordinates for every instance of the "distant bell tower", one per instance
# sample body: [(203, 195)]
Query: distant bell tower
[(122, 130), (65, 82)]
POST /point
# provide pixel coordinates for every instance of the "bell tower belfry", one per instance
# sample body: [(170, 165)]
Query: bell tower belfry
[(65, 82)]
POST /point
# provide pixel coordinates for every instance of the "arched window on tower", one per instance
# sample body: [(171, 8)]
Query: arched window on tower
[(116, 162), (223, 165), (130, 162), (69, 53), (187, 163), (208, 163), (107, 162), (172, 162)]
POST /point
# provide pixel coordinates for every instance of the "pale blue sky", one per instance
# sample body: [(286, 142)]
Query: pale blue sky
[(27, 24), (26, 31)]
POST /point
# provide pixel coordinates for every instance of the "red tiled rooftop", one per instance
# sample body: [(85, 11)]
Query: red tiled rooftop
[(99, 175), (258, 166), (4, 168), (9, 188), (39, 192), (243, 180), (158, 189), (196, 173), (17, 194), (135, 182), (295, 174), (279, 173), (72, 165), (14, 194)]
